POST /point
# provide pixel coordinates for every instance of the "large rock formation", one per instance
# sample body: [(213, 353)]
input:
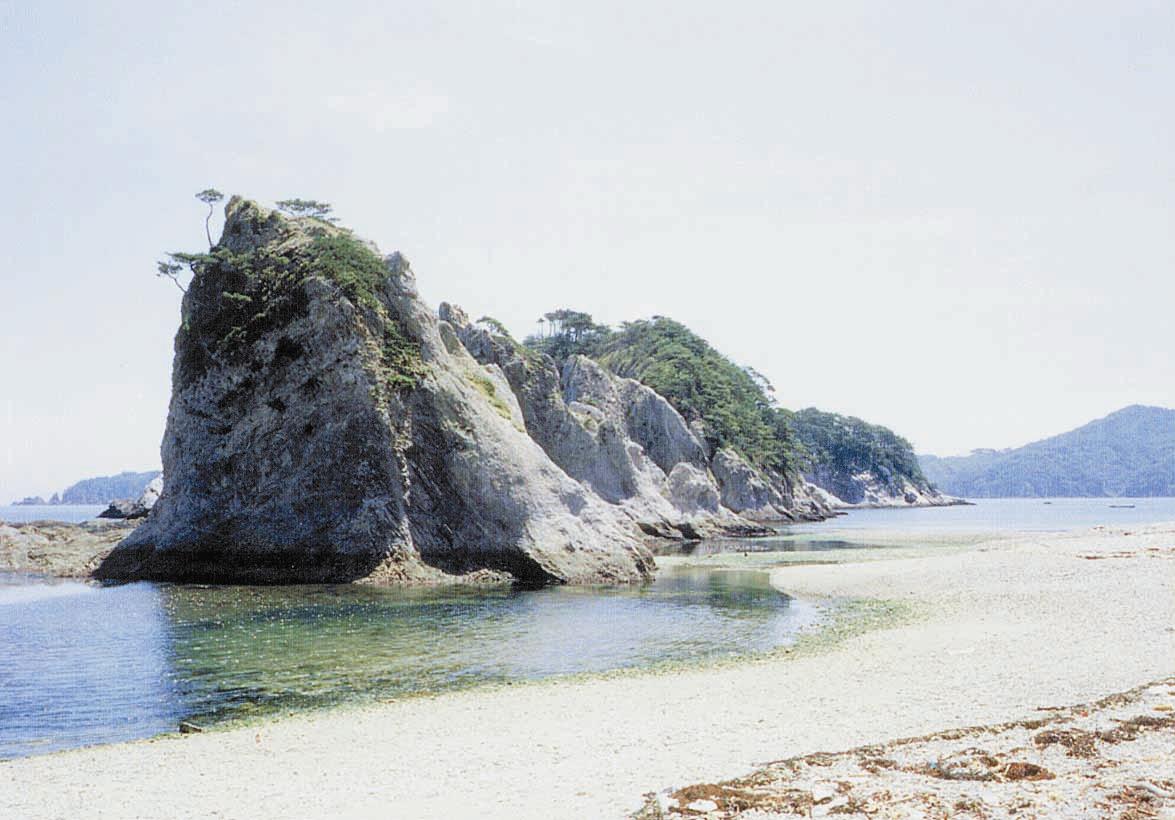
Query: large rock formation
[(325, 427), (858, 464), (869, 488), (615, 435), (745, 489)]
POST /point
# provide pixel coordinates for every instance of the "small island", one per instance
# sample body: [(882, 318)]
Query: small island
[(326, 425)]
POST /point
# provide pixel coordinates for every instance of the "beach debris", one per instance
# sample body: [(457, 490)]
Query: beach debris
[(189, 728), (977, 764), (1152, 789), (1148, 552), (1113, 756), (1019, 770), (1076, 742)]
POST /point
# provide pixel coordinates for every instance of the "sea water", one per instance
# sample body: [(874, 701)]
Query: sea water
[(83, 664), (994, 515), (70, 513)]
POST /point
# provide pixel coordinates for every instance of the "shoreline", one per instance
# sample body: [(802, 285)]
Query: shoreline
[(1003, 626), (1111, 754)]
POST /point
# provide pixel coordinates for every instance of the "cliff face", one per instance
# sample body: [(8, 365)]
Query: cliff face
[(617, 437), (868, 489), (862, 464), (323, 427)]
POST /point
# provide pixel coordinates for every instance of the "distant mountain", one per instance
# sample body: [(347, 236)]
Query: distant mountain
[(104, 489), (1127, 453)]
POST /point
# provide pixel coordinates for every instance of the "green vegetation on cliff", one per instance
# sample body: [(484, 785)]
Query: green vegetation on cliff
[(847, 446), (359, 271), (696, 379), (349, 263), (237, 298), (735, 403), (233, 301), (565, 333)]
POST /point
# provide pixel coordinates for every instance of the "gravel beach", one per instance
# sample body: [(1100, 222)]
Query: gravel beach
[(991, 632)]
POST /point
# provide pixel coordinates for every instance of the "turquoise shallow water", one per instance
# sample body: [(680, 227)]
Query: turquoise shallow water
[(86, 664)]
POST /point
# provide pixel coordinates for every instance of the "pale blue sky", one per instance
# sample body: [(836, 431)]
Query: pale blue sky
[(953, 219)]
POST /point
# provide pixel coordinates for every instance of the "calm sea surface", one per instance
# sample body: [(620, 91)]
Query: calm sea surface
[(1006, 514), (83, 663), (72, 513)]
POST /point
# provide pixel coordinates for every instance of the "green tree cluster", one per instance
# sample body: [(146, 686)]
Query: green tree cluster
[(703, 384), (306, 207), (237, 298), (848, 445), (565, 333)]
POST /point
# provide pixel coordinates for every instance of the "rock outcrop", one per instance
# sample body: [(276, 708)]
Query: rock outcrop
[(745, 490), (618, 437), (857, 464), (57, 549), (30, 501), (868, 489), (136, 507), (324, 426), (647, 418)]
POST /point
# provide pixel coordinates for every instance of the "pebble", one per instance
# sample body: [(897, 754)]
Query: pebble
[(823, 791)]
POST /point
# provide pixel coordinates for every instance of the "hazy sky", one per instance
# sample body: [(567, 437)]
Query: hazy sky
[(954, 219)]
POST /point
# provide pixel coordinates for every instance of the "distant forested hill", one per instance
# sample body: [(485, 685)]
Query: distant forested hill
[(104, 489), (1127, 453)]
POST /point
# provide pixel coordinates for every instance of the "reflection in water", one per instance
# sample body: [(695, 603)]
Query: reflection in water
[(784, 542), (90, 664)]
